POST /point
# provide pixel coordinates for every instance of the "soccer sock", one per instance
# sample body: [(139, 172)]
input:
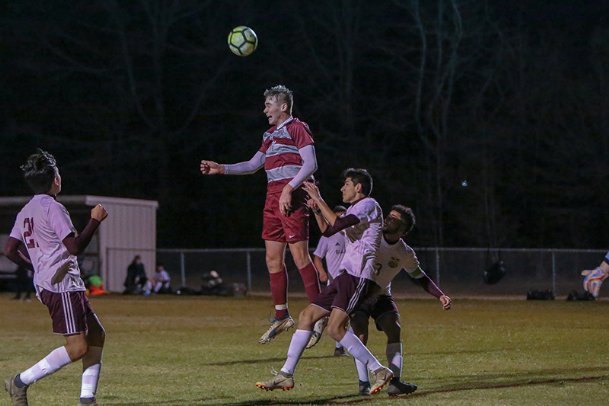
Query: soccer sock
[(310, 278), (90, 374), (279, 292), (57, 359), (338, 345), (362, 371), (359, 351), (394, 358), (90, 378), (299, 341)]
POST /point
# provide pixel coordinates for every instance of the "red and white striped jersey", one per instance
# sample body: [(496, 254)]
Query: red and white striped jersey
[(280, 145)]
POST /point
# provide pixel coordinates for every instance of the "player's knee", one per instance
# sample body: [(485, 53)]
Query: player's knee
[(336, 332), (77, 350), (305, 319)]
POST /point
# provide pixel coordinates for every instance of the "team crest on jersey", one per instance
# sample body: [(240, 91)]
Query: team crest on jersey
[(393, 262)]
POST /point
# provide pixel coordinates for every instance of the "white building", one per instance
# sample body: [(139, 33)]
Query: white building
[(129, 230)]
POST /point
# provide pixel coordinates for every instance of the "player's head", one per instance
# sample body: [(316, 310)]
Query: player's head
[(357, 184), (41, 173), (282, 96), (400, 220)]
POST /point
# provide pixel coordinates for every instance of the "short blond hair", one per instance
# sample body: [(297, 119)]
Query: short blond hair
[(283, 94)]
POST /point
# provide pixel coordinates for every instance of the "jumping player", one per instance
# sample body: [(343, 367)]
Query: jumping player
[(393, 256), (44, 228), (363, 223), (288, 157)]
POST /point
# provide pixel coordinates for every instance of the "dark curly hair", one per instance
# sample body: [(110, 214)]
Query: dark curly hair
[(39, 171)]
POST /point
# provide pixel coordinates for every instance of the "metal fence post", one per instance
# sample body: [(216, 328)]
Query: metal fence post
[(437, 266), (554, 273), (248, 258), (182, 268)]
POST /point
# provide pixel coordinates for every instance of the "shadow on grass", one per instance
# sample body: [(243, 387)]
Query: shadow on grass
[(353, 398), (516, 383), (262, 360)]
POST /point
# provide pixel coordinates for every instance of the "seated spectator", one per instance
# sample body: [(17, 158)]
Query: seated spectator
[(213, 284), (159, 282), (136, 277)]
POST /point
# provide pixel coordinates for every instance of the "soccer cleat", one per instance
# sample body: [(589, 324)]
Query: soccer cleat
[(87, 402), (18, 395), (277, 326), (318, 330), (364, 388), (593, 279), (381, 377), (400, 388), (279, 381), (339, 351)]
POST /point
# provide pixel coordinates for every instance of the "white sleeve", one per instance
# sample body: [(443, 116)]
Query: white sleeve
[(322, 247), (16, 232), (367, 211), (246, 167), (309, 166)]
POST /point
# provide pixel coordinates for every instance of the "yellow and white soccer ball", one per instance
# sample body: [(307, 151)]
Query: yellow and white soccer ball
[(242, 41)]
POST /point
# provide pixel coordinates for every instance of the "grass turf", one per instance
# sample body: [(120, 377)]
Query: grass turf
[(169, 350)]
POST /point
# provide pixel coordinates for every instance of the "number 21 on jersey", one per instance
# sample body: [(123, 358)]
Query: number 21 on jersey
[(28, 225)]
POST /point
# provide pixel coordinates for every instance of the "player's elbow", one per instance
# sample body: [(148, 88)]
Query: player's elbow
[(11, 249)]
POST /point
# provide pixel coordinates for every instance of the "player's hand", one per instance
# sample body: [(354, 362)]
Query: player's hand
[(285, 200), (446, 302), (99, 213), (312, 191), (211, 168), (312, 205), (323, 276)]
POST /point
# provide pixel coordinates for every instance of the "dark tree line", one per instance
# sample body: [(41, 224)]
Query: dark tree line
[(489, 118)]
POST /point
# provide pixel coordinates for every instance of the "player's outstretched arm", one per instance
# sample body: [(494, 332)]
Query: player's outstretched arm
[(241, 168), (77, 244)]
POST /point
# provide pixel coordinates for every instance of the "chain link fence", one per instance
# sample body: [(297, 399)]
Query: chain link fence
[(459, 271)]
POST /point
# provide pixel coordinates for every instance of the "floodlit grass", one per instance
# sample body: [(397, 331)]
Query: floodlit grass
[(197, 350)]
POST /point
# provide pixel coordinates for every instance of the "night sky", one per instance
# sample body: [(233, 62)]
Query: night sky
[(489, 118)]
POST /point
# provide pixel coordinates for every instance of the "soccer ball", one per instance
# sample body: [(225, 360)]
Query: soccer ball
[(242, 41)]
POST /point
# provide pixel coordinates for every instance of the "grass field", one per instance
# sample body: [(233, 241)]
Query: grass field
[(198, 350)]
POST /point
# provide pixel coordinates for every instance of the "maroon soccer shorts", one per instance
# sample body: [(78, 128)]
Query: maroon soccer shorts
[(291, 228), (378, 308), (345, 292), (68, 310)]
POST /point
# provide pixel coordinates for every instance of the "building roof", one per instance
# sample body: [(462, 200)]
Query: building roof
[(88, 200)]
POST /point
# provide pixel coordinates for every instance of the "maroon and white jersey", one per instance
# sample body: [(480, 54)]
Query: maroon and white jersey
[(333, 250), (280, 145), (390, 260), (363, 239), (41, 225)]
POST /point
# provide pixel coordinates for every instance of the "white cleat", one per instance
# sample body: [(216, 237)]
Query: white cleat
[(318, 330), (277, 327)]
